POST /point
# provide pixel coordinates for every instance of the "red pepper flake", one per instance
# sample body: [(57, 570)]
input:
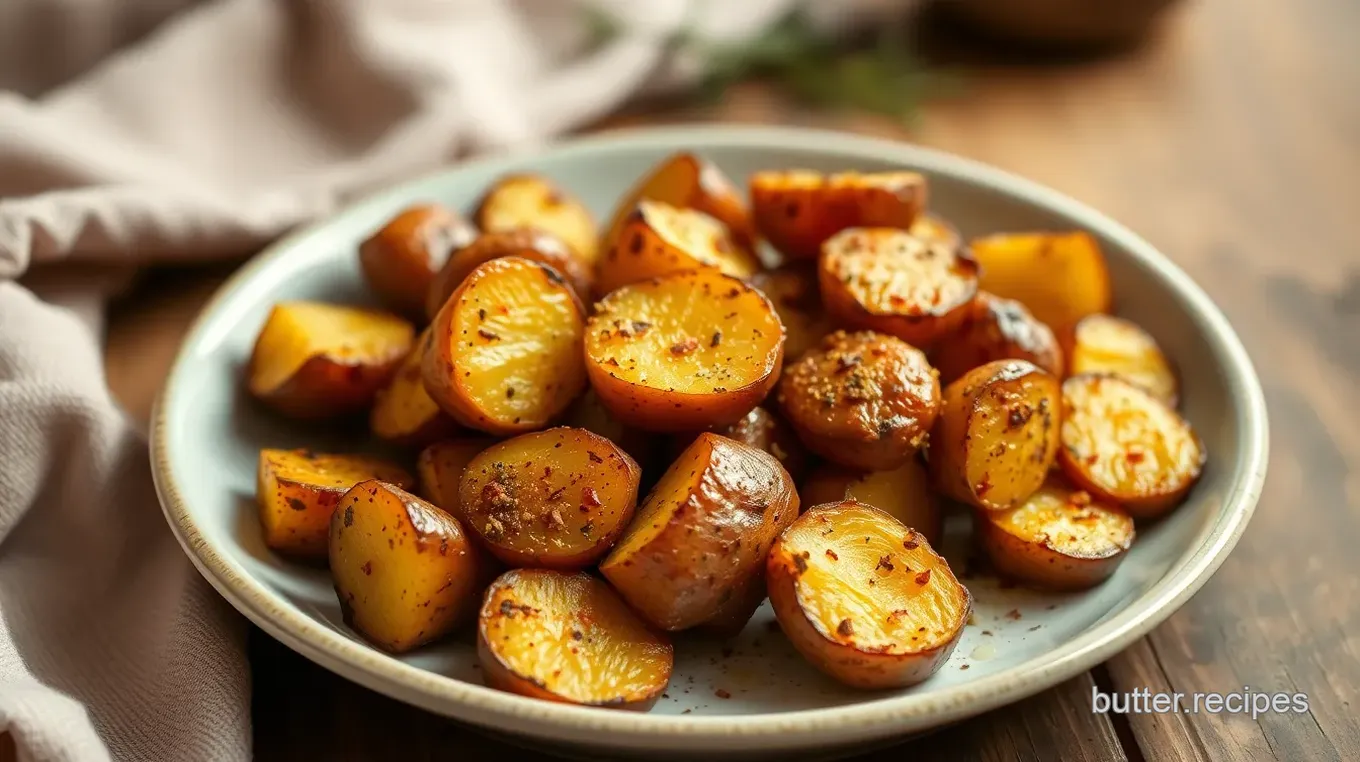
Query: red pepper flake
[(1013, 615), (886, 563), (831, 554), (591, 498), (683, 348), (722, 694), (593, 457), (367, 568), (800, 563), (923, 577), (555, 494), (983, 487), (1135, 456), (488, 335), (1080, 499), (963, 667), (911, 543), (298, 505)]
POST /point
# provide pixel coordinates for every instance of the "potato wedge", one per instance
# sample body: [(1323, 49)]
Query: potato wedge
[(863, 598), (794, 292), (589, 413), (400, 260), (403, 412), (1058, 539), (315, 360), (1119, 347), (555, 499), (527, 243), (903, 493), (567, 637), (660, 239), (404, 570), (797, 210), (440, 469), (1125, 446), (702, 532), (997, 329), (864, 400), (997, 434), (935, 229), (890, 281), (1060, 277), (532, 201), (688, 181), (505, 351), (685, 352)]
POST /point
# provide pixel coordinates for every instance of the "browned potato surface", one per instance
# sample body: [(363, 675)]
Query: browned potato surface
[(793, 291), (903, 493), (997, 329), (685, 352), (864, 400), (1060, 277), (863, 598), (567, 637), (1111, 345), (527, 243), (315, 360), (660, 239), (531, 201), (1125, 446), (797, 210), (936, 229), (768, 431), (589, 413), (404, 570), (403, 412), (400, 260), (505, 351), (687, 181), (440, 469), (733, 615), (702, 533)]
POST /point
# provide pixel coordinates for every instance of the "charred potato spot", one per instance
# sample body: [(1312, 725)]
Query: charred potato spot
[(687, 181), (440, 469), (526, 243), (403, 412), (903, 493), (530, 201), (997, 329), (400, 260), (1060, 277), (797, 210), (660, 239), (796, 297), (1114, 346)]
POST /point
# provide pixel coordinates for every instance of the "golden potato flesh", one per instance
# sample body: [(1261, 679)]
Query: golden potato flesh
[(404, 571), (527, 243), (505, 351), (298, 490), (935, 229), (863, 598), (997, 329), (1060, 277), (556, 499), (685, 352), (701, 534), (903, 493), (315, 360), (890, 281), (400, 260), (403, 412), (1114, 346), (864, 400), (440, 469), (660, 239), (687, 181), (1125, 446), (797, 210), (567, 637), (793, 291), (531, 201), (1058, 539), (997, 434)]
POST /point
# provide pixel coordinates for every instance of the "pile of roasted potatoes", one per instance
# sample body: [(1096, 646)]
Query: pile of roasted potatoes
[(626, 431)]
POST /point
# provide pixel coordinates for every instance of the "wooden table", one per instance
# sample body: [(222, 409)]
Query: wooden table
[(1232, 142)]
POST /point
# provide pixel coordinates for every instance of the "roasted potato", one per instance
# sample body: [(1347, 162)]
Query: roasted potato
[(315, 360), (702, 533), (903, 493), (403, 412), (531, 201), (685, 352), (1057, 539), (1114, 346), (864, 400), (1125, 446), (768, 431), (588, 413), (567, 637), (440, 469), (660, 239), (505, 351), (1060, 277), (733, 615), (400, 260), (797, 210), (556, 499), (997, 329), (404, 570), (863, 598), (997, 434), (887, 280), (929, 227), (527, 243), (793, 291), (687, 181)]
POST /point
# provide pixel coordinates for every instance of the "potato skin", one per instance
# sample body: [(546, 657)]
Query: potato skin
[(440, 466), (657, 239), (1060, 276), (526, 243), (903, 493), (797, 210), (403, 412), (589, 413), (1107, 344), (400, 260), (534, 201), (688, 181), (997, 329)]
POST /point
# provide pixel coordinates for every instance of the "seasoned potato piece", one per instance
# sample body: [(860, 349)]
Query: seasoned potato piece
[(315, 360), (403, 412), (768, 431), (298, 490), (556, 498), (903, 493), (400, 260), (797, 210), (531, 201), (685, 352), (929, 227), (440, 469), (687, 181), (527, 243), (590, 414), (793, 291), (863, 400), (404, 570), (1114, 346), (702, 532), (863, 598), (1060, 277), (997, 434), (660, 239), (997, 329), (505, 351), (567, 637), (892, 282), (1057, 539), (1125, 446)]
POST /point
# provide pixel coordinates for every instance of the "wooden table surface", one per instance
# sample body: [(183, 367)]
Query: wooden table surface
[(1231, 142)]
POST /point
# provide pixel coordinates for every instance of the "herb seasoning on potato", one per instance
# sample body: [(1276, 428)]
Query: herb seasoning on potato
[(526, 243), (659, 239), (400, 260), (797, 210), (997, 329)]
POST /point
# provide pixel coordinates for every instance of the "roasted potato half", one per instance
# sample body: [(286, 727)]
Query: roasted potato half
[(863, 598), (403, 412), (505, 351), (903, 493), (315, 360), (1119, 347), (997, 434), (1060, 277), (404, 570), (1058, 539), (526, 243), (440, 469), (864, 400), (997, 329), (660, 239), (701, 534), (1125, 446), (688, 181), (567, 637), (797, 210), (793, 291), (532, 201), (684, 352), (400, 260)]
